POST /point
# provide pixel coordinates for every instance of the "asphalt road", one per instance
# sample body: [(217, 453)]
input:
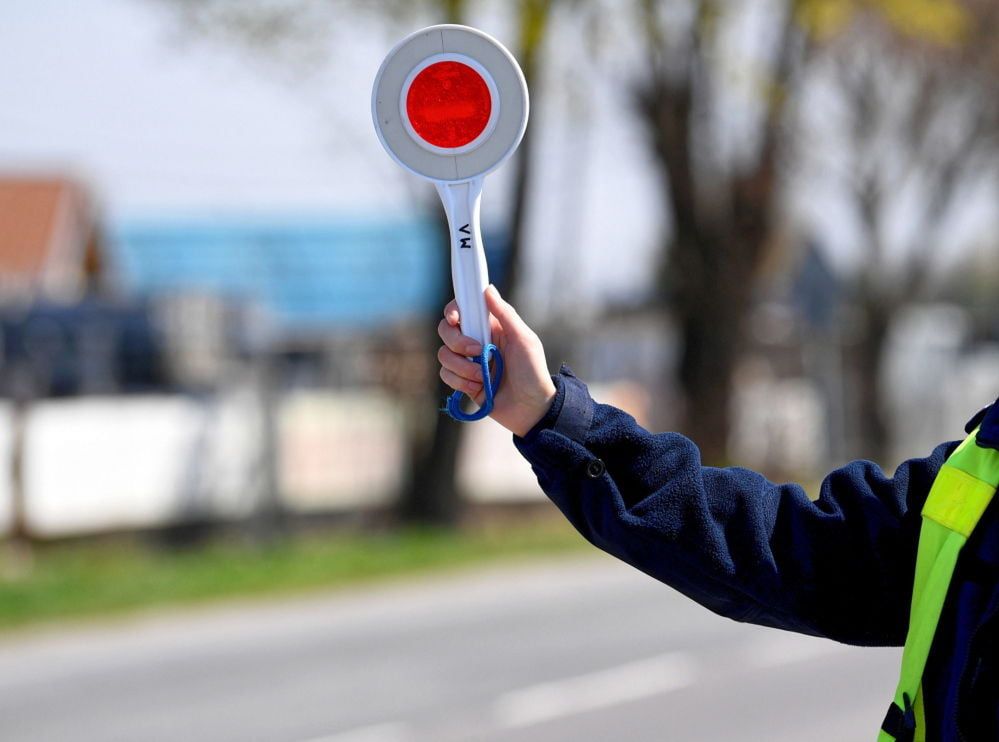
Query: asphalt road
[(576, 650)]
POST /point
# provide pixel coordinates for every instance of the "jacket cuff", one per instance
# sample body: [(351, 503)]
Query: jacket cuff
[(571, 413)]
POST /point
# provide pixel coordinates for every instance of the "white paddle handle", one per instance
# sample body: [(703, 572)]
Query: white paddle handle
[(468, 260)]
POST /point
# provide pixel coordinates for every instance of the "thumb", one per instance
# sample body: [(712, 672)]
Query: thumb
[(503, 311)]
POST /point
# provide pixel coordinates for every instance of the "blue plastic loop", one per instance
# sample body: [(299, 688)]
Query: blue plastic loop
[(490, 384)]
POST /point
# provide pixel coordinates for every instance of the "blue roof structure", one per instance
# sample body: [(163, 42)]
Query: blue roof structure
[(308, 273)]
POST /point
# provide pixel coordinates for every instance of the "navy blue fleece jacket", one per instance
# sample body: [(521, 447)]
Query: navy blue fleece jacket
[(839, 567)]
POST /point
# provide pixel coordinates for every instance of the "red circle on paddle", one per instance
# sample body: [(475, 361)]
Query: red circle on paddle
[(448, 104)]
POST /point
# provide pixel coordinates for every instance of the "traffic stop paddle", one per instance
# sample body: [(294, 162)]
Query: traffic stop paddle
[(450, 105)]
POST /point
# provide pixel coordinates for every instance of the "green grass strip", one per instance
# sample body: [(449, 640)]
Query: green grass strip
[(79, 580)]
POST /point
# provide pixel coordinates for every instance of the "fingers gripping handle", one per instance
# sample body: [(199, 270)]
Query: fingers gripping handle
[(470, 277)]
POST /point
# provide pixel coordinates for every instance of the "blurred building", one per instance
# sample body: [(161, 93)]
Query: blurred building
[(50, 246), (63, 330), (336, 301), (310, 274), (208, 368)]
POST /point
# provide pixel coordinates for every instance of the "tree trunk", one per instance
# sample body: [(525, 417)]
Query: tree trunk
[(430, 495), (18, 555), (710, 295), (711, 340), (722, 217), (19, 532), (533, 26), (873, 437)]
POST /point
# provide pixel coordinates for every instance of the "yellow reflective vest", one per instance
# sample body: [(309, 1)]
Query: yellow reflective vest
[(962, 490)]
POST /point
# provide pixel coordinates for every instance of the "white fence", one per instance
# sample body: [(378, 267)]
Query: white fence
[(94, 464)]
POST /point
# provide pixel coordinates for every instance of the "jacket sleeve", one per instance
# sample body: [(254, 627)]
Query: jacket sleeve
[(839, 567)]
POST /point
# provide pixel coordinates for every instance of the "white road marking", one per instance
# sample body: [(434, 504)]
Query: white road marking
[(644, 678), (389, 732), (629, 682), (786, 649), (632, 681)]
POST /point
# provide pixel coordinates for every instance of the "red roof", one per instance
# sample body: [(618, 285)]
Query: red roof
[(48, 239), (31, 212)]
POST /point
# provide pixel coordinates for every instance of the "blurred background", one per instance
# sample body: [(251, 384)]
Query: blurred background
[(772, 225)]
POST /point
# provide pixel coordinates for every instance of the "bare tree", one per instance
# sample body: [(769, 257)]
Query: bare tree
[(920, 80), (919, 97), (722, 207)]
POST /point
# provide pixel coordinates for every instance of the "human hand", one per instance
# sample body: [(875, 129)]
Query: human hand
[(526, 391)]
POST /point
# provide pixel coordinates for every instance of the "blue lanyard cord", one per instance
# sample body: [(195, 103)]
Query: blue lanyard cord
[(489, 385)]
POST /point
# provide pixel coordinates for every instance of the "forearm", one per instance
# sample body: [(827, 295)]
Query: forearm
[(738, 544)]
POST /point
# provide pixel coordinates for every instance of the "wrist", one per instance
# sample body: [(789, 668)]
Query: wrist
[(535, 410)]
